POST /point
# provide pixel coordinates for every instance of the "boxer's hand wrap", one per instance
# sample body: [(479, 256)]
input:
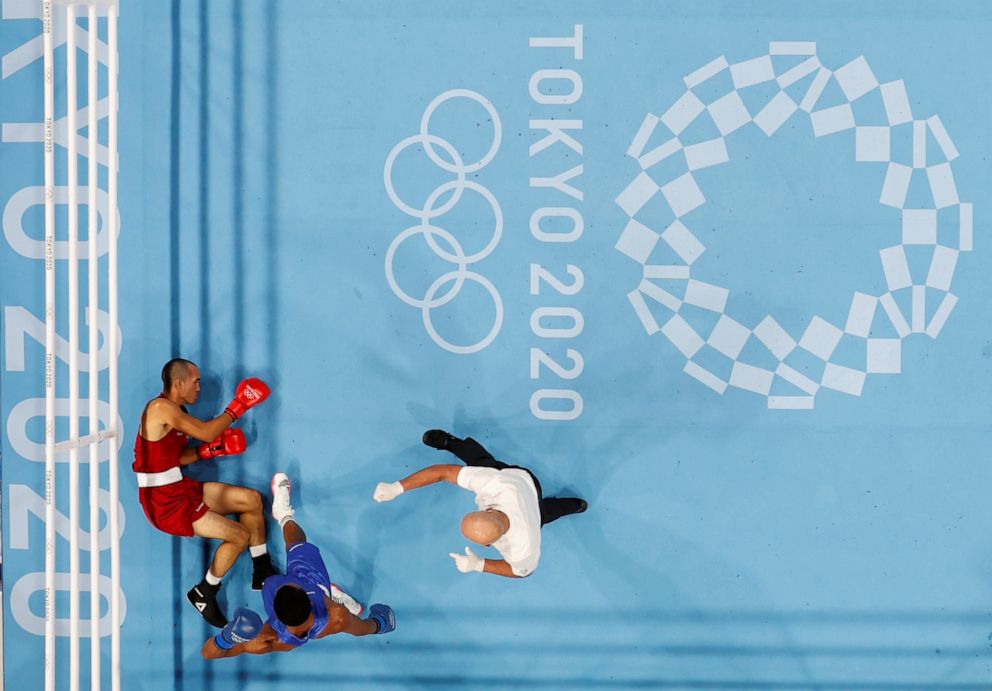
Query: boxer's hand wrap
[(242, 628), (231, 442), (387, 491), (250, 392), (384, 617), (468, 562)]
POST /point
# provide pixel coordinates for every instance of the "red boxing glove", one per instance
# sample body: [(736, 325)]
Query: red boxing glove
[(250, 393), (231, 442)]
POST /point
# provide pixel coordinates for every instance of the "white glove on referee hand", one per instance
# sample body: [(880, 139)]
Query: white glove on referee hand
[(387, 491), (468, 563)]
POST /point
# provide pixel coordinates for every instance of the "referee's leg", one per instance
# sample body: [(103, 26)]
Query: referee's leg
[(472, 452), (468, 450), (553, 508)]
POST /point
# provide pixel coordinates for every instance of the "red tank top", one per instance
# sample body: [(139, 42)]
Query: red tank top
[(161, 455)]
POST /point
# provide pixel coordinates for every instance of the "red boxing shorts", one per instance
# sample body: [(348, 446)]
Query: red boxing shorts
[(174, 507)]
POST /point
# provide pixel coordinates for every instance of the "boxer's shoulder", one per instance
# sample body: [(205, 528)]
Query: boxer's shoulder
[(160, 410), (337, 618), (156, 419)]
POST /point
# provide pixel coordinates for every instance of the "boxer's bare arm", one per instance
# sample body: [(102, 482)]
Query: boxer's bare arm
[(430, 475), (265, 642), (210, 651), (163, 413), (340, 620), (188, 456)]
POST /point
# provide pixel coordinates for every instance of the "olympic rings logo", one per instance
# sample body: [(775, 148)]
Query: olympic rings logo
[(431, 231), (725, 341)]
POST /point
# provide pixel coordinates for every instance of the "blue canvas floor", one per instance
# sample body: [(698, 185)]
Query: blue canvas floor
[(729, 544)]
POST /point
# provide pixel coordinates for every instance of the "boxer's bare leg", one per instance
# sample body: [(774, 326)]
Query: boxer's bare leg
[(293, 533), (247, 503), (235, 538)]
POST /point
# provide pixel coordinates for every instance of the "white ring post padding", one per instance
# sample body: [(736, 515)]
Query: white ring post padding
[(49, 87), (115, 555), (94, 374), (72, 179)]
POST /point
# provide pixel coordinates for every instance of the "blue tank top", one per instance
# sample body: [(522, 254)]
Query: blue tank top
[(315, 593)]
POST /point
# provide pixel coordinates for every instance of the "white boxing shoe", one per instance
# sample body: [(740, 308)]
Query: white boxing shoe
[(282, 509), (342, 598)]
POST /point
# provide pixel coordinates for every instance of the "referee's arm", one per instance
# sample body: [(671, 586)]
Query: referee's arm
[(501, 568)]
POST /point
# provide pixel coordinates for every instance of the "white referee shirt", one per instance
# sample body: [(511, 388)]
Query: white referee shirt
[(511, 491)]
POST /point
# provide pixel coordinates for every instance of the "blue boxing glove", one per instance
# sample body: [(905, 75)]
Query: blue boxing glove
[(243, 627), (384, 617)]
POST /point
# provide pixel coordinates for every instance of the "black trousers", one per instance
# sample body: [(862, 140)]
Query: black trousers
[(472, 453)]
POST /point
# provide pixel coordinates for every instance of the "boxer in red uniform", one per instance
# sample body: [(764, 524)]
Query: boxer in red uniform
[(178, 505)]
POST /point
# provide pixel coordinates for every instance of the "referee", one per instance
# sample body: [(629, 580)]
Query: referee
[(512, 507)]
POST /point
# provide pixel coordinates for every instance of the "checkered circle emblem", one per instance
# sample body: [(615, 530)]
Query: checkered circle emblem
[(801, 79)]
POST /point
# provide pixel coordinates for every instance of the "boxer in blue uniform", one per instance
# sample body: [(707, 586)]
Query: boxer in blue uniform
[(303, 605)]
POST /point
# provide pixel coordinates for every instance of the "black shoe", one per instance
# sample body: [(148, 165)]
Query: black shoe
[(575, 505), (262, 568), (203, 596), (437, 438)]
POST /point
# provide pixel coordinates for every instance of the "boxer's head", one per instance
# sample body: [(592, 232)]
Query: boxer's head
[(291, 605), (181, 381), (484, 527)]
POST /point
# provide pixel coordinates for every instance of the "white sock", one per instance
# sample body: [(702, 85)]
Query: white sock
[(286, 519), (257, 550), (211, 578)]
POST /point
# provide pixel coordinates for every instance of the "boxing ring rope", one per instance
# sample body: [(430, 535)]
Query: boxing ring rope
[(73, 270), (49, 77), (94, 378), (95, 436), (115, 554)]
